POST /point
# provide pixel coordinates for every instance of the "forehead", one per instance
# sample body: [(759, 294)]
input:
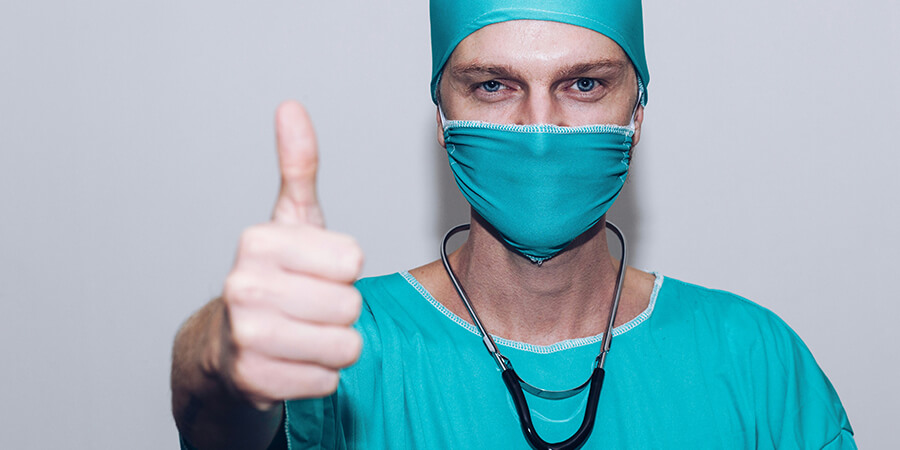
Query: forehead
[(534, 44)]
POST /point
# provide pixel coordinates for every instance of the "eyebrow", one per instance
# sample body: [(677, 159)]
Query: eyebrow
[(610, 66), (475, 69)]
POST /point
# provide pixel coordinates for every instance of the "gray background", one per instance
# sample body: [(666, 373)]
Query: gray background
[(136, 143)]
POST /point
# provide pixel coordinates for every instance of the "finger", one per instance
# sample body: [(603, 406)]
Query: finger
[(335, 303), (298, 162), (311, 251), (266, 380), (280, 337), (298, 297)]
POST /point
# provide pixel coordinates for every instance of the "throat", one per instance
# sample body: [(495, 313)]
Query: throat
[(543, 308), (566, 297)]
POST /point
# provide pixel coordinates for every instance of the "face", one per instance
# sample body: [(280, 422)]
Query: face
[(539, 72)]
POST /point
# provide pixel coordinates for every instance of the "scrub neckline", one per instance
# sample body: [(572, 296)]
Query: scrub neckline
[(534, 348)]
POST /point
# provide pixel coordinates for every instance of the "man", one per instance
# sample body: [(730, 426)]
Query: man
[(539, 106)]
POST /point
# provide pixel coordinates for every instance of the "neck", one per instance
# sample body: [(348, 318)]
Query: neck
[(568, 296)]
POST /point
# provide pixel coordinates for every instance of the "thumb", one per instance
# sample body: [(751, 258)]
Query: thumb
[(298, 160)]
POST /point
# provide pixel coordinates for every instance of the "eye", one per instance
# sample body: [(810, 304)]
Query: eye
[(491, 86), (586, 84)]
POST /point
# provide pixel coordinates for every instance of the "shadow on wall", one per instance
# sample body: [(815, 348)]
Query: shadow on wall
[(452, 208)]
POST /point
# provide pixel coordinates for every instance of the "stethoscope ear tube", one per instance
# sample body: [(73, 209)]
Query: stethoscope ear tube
[(587, 424)]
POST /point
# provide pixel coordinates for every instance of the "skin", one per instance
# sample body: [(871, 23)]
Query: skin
[(535, 70), (530, 72), (283, 326)]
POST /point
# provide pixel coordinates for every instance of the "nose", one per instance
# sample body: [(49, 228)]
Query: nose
[(539, 108)]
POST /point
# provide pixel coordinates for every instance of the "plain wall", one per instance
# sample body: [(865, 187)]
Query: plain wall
[(136, 143)]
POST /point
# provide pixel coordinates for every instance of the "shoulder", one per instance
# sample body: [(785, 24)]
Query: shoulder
[(709, 298), (395, 303), (781, 379), (384, 285), (720, 310), (726, 323), (391, 293)]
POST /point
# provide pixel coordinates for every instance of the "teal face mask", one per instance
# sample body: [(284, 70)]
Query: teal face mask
[(540, 186)]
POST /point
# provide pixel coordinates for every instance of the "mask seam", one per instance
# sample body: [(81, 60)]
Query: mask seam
[(626, 161), (541, 128)]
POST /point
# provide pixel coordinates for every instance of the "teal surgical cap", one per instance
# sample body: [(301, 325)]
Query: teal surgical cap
[(619, 20)]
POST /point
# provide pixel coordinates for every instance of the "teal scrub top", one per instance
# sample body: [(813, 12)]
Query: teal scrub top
[(698, 369)]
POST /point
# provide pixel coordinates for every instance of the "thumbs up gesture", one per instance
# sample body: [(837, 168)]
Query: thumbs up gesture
[(290, 299)]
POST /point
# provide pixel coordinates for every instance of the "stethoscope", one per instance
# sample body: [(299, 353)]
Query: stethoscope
[(516, 385)]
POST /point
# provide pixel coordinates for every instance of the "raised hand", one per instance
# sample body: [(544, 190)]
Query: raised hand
[(289, 299)]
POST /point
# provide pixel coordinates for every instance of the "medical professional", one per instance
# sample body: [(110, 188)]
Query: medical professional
[(505, 342)]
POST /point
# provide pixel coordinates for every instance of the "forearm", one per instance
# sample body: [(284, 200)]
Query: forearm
[(207, 412)]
